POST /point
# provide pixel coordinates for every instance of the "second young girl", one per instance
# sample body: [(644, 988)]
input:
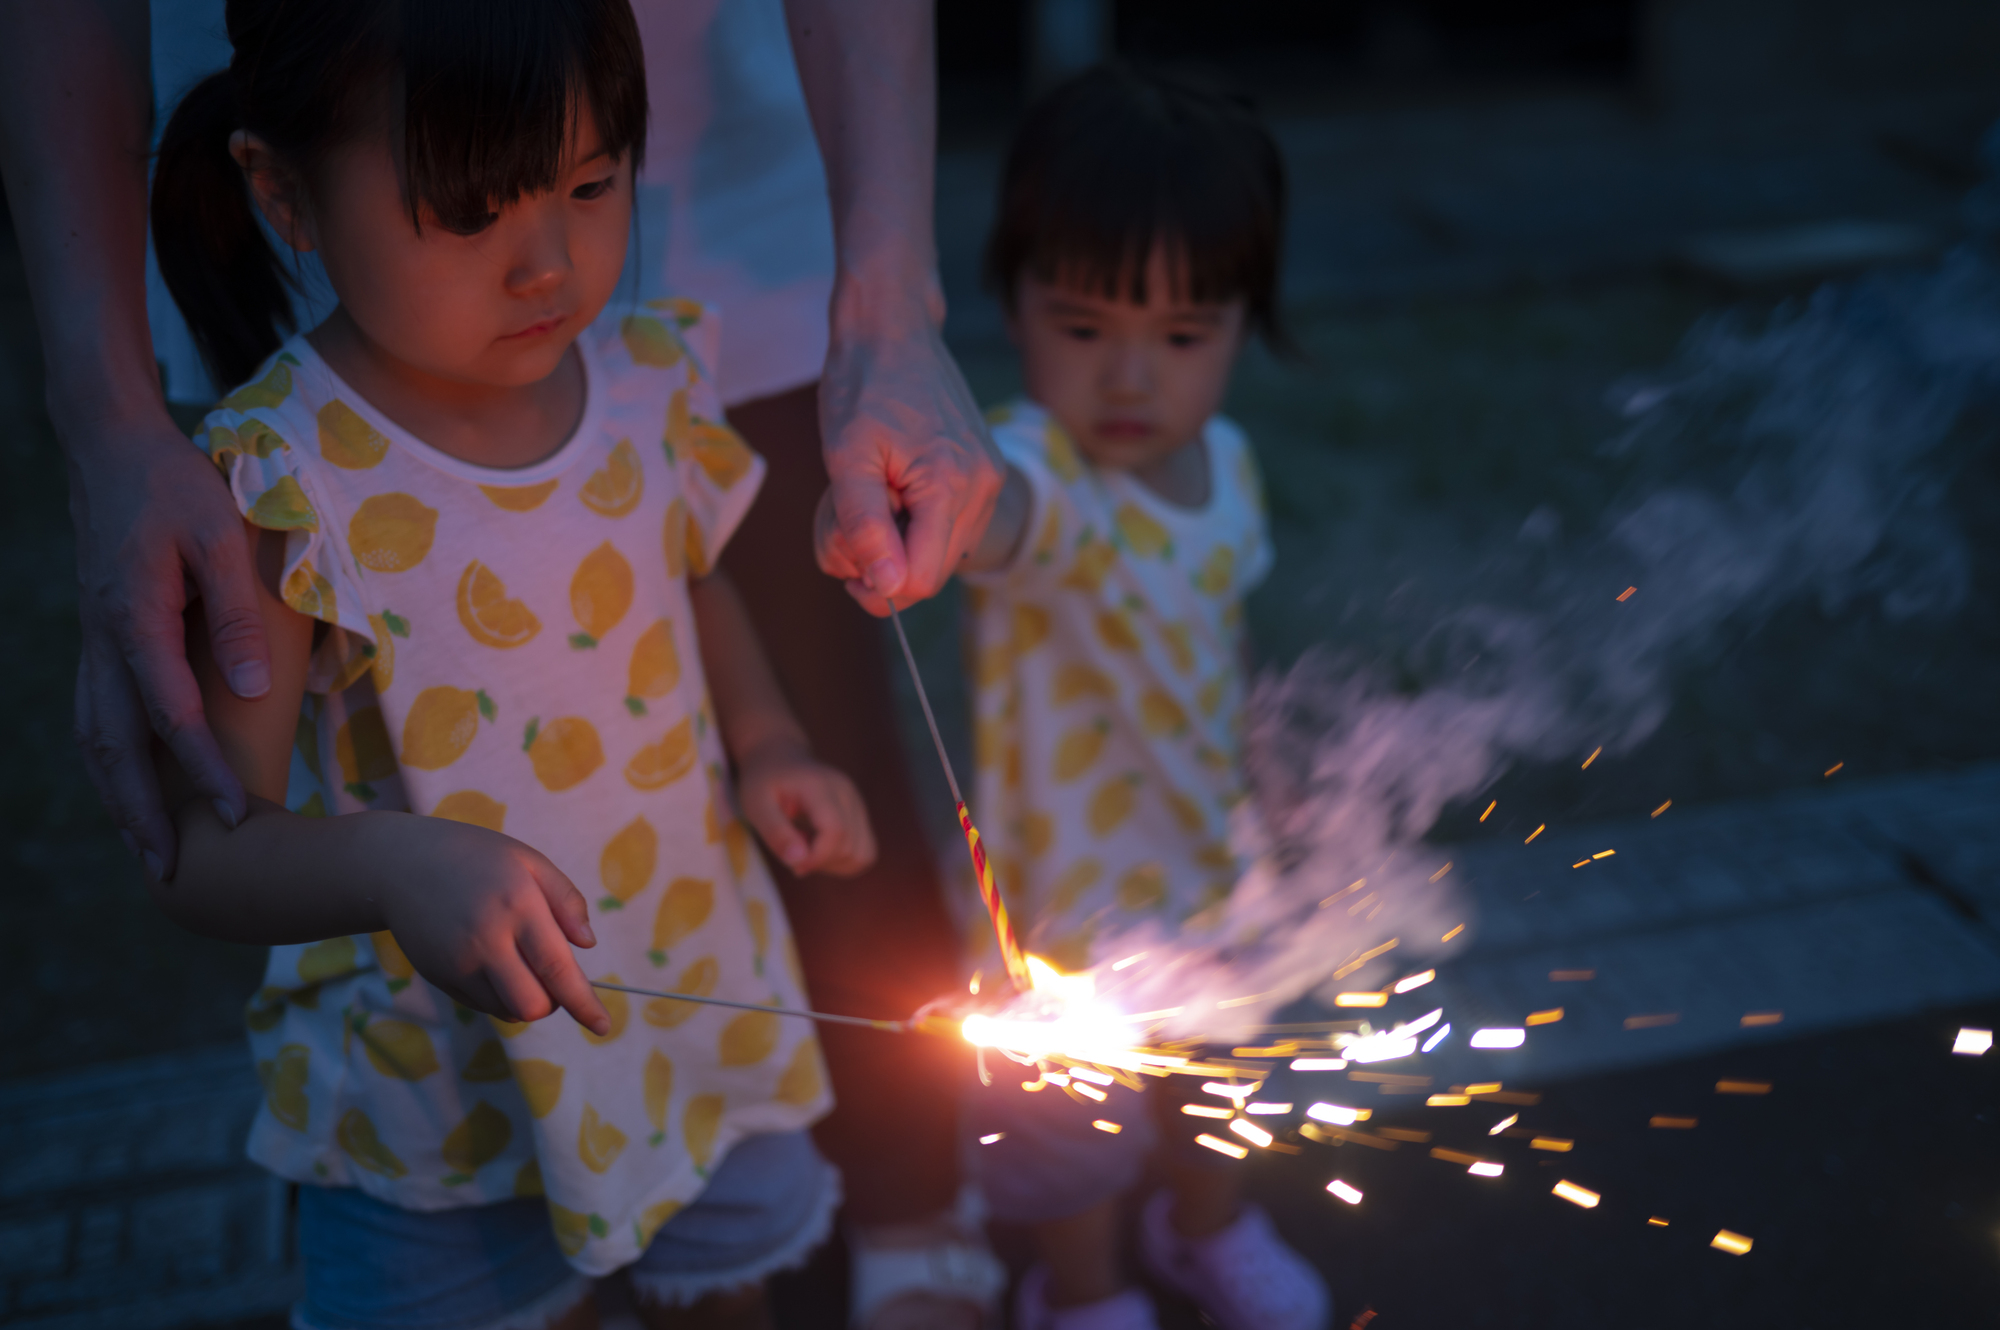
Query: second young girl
[(516, 710)]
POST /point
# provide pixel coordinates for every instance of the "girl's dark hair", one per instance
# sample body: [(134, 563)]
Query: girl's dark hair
[(1120, 159), (490, 90)]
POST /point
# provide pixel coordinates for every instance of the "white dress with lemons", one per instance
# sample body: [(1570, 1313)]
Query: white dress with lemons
[(515, 649)]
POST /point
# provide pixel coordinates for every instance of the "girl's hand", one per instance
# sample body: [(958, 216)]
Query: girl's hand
[(809, 814), (490, 921)]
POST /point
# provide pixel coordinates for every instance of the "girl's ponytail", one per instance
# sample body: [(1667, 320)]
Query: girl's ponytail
[(228, 282)]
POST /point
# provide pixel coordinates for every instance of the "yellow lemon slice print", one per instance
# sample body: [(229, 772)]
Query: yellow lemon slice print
[(1031, 627), (487, 1063), (572, 1230), (716, 448), (1076, 680), (1160, 715), (1093, 560), (357, 1136), (1115, 631), (613, 490), (1217, 572), (326, 960), (391, 533), (684, 906), (541, 1084), (284, 1079), (361, 747), (398, 1048), (477, 1140), (1112, 804), (528, 1181), (488, 615), (1143, 887), (284, 507), (657, 1087), (699, 1123), (1180, 646), (648, 342), (267, 392), (1037, 831), (1079, 747), (519, 498), (698, 979), (659, 765), (598, 1143), (309, 593), (1143, 535), (802, 1079)]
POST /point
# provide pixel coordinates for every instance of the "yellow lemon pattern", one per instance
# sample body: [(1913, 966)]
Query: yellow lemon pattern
[(626, 866), (599, 594), (348, 441), (1105, 664), (391, 533), (564, 752), (519, 656)]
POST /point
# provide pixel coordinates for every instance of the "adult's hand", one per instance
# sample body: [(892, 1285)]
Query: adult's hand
[(155, 526), (154, 523), (901, 431), (903, 435)]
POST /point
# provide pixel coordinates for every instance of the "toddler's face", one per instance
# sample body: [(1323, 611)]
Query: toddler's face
[(1130, 383), (497, 308)]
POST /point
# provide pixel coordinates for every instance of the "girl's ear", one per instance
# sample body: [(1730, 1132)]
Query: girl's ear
[(276, 187)]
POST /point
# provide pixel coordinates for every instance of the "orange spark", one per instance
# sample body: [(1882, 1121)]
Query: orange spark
[(1549, 1017), (1555, 1143), (1576, 1195), (1442, 871), (1452, 934), (1830, 770), (1743, 1087), (1536, 832), (1102, 1125), (1733, 1243), (1489, 810), (1652, 1022), (1663, 808), (1673, 1124), (1626, 594), (1592, 758), (1751, 1018)]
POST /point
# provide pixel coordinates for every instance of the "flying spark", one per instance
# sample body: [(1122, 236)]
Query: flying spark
[(996, 1136), (1452, 934), (1415, 981), (1486, 1168), (1571, 976), (1536, 832), (1576, 1195), (1657, 1222), (1663, 808), (1220, 1146), (1592, 758), (1360, 999), (1337, 1114), (1549, 1017), (1502, 1124), (1267, 1109), (1442, 871), (1489, 810), (1437, 1038), (1447, 1100), (1652, 1022), (1830, 770), (1228, 1091), (1251, 1132), (1743, 1087), (1207, 1111), (1346, 1193), (1972, 1043), (1754, 1018), (1554, 1143), (1499, 1038), (1626, 594), (1319, 1064), (1733, 1243), (1103, 1125), (1672, 1124)]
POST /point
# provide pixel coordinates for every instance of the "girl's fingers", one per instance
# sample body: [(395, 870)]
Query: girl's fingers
[(477, 994), (562, 979), (566, 903), (764, 811)]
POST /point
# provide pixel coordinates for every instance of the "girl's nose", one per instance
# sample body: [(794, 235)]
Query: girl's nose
[(541, 261), (1128, 373)]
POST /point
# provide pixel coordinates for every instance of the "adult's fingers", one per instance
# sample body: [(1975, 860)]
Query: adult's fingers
[(928, 543), (829, 547), (154, 651), (868, 530), (561, 978), (115, 740), (222, 570)]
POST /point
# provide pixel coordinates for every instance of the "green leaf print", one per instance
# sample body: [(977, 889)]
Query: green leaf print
[(365, 793), (528, 738), (611, 903), (582, 641), (635, 706), (398, 625), (657, 957), (486, 707), (598, 1227)]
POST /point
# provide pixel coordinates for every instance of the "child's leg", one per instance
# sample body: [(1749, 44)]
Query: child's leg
[(1081, 1253)]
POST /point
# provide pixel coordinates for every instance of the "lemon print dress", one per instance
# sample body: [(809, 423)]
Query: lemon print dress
[(1107, 689), (515, 649)]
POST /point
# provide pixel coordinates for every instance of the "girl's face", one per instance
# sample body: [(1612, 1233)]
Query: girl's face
[(1130, 383), (498, 308)]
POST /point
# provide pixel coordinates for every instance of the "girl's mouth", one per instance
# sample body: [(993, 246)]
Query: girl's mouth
[(538, 329)]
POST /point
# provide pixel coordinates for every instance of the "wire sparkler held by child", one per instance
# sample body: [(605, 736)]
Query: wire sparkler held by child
[(989, 891)]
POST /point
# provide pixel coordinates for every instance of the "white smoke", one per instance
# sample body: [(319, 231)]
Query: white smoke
[(1808, 456)]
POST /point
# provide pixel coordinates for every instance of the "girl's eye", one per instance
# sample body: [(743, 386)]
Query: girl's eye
[(1081, 332), (1184, 340), (472, 228), (596, 189)]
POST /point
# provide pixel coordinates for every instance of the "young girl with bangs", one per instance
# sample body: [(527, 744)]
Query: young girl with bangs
[(516, 709)]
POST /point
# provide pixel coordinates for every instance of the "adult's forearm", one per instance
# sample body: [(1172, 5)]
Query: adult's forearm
[(869, 72), (75, 114)]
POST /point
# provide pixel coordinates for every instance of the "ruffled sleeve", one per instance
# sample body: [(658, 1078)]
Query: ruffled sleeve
[(252, 437), (1059, 544), (717, 472)]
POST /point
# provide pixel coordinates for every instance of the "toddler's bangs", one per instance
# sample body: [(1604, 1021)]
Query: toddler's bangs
[(493, 89), (1120, 161)]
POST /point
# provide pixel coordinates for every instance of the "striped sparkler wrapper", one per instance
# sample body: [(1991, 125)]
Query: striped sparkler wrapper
[(989, 891)]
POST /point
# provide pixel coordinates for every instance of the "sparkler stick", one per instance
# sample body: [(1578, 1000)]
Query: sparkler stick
[(927, 1024), (989, 891)]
